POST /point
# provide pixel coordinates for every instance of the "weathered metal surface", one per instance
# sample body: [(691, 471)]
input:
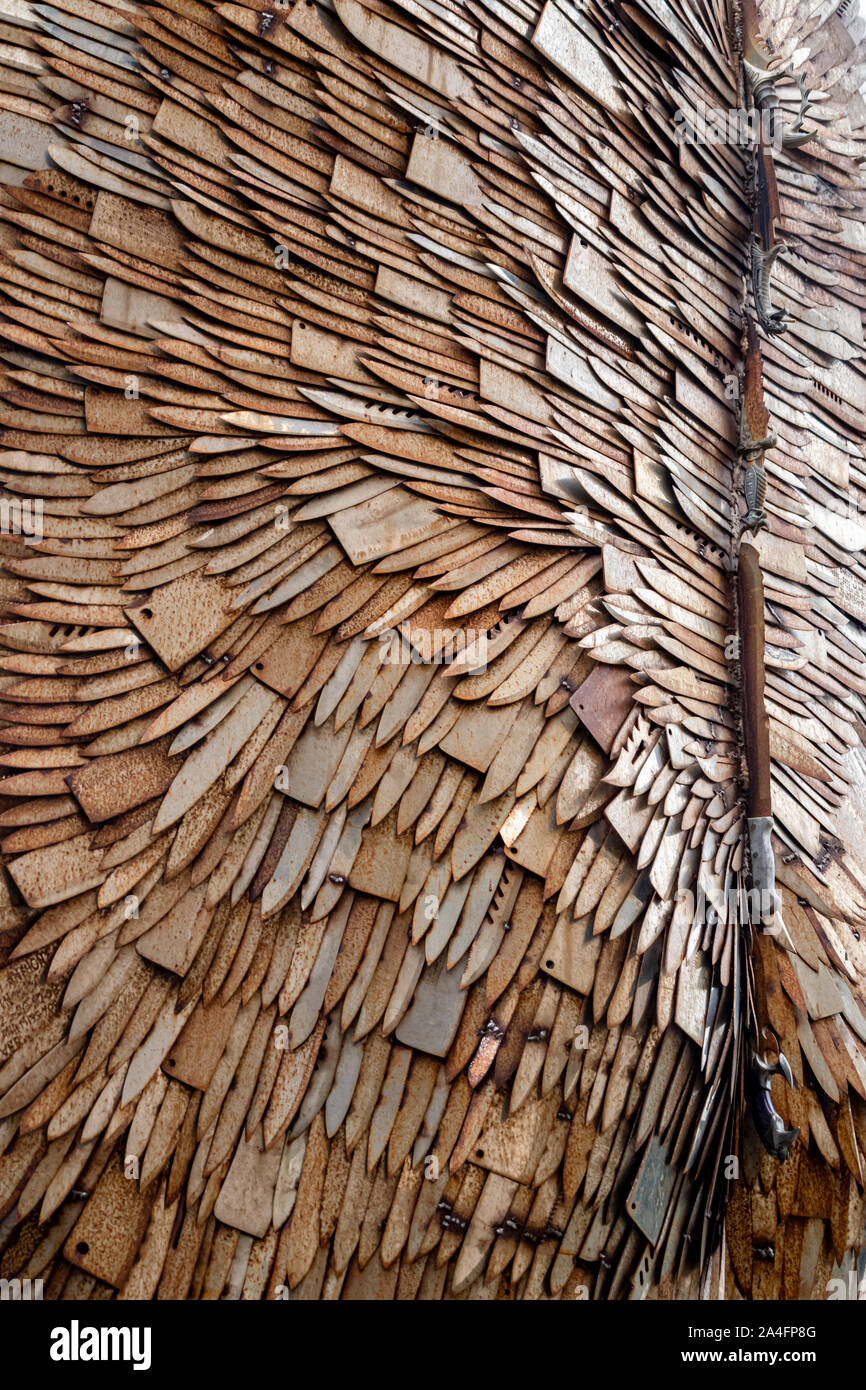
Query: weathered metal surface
[(383, 393)]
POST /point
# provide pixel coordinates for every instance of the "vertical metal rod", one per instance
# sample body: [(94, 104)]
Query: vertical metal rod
[(756, 731)]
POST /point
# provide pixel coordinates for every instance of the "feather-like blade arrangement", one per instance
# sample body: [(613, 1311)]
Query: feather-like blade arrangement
[(375, 411)]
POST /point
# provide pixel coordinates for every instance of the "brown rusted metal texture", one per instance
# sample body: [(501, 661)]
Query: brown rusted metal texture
[(756, 729), (380, 389)]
